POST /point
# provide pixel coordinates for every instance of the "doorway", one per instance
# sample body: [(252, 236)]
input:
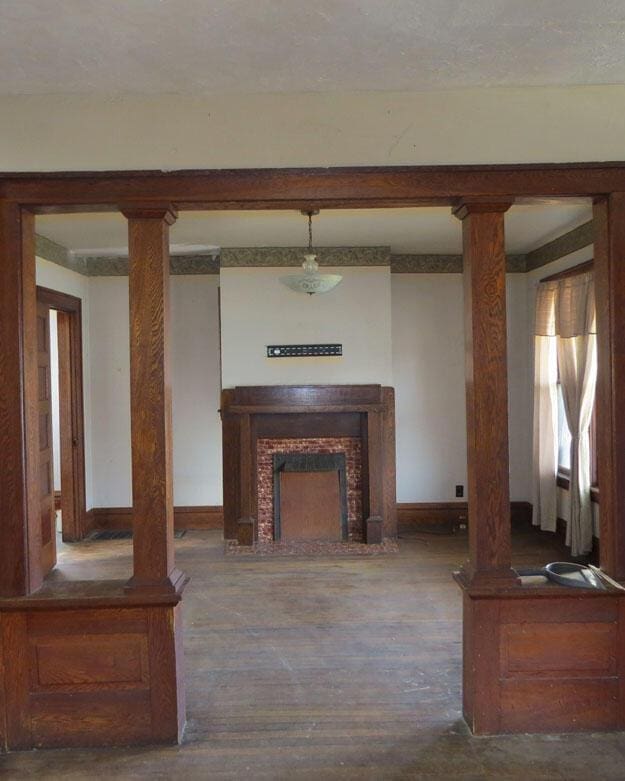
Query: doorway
[(69, 496)]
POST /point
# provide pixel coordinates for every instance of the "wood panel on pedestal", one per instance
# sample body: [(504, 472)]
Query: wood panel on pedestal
[(609, 270)]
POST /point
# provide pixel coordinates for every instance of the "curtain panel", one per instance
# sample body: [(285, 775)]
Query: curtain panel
[(565, 349)]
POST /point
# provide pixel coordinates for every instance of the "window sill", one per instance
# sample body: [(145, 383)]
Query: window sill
[(564, 482)]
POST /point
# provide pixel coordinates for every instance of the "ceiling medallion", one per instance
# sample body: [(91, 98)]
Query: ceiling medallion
[(311, 281)]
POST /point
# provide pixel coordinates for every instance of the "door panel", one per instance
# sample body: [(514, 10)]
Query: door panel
[(46, 480)]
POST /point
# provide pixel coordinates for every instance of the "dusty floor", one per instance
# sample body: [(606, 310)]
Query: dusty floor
[(324, 668)]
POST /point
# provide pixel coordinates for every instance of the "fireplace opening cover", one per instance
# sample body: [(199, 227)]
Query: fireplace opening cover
[(310, 462)]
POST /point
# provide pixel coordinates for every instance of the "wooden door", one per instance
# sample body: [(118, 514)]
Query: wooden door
[(46, 479)]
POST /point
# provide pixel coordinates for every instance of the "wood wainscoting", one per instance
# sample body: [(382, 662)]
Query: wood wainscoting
[(543, 659), (97, 666)]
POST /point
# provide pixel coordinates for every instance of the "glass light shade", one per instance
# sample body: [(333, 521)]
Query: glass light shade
[(311, 281)]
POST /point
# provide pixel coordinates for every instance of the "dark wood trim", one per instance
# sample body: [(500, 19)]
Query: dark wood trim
[(57, 500), (486, 381), (301, 411), (563, 481), (293, 188), (150, 397), (609, 217), (424, 514), (55, 299), (580, 703), (20, 552), (71, 406), (209, 517), (513, 645), (575, 271), (191, 517)]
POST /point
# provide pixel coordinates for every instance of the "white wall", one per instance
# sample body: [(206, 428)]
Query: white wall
[(110, 382), (54, 400), (428, 373), (57, 278), (551, 124), (429, 377), (195, 391), (424, 360), (256, 310)]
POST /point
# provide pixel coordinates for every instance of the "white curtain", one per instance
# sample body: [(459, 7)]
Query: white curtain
[(545, 498), (565, 344), (577, 364)]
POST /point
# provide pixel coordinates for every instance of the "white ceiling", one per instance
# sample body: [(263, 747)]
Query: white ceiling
[(199, 46), (413, 230)]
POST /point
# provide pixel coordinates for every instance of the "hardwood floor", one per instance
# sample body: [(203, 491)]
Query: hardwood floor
[(324, 668)]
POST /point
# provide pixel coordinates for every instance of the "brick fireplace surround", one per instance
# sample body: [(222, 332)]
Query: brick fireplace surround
[(350, 446), (260, 421)]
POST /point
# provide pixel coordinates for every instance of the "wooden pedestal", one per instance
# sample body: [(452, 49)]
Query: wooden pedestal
[(546, 660), (93, 667)]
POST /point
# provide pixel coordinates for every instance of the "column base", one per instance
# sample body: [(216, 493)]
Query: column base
[(174, 583), (373, 530), (245, 531)]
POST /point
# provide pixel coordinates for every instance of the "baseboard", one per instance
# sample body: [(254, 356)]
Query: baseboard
[(411, 515), (120, 518)]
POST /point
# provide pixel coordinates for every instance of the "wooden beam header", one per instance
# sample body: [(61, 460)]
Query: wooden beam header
[(307, 188)]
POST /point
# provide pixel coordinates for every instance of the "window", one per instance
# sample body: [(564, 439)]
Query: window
[(564, 437)]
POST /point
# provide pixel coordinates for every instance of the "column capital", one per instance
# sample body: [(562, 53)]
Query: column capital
[(151, 211), (466, 206)]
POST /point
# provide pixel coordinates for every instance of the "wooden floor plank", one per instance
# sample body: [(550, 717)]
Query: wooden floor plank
[(323, 668)]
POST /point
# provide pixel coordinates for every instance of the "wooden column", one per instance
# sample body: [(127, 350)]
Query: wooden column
[(245, 526), (20, 551), (487, 391), (609, 219), (150, 399), (375, 518)]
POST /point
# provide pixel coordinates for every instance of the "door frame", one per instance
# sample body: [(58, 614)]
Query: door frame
[(71, 409)]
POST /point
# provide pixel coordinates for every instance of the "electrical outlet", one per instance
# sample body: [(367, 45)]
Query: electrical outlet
[(459, 491)]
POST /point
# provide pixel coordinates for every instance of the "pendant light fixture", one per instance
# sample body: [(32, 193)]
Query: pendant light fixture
[(311, 281)]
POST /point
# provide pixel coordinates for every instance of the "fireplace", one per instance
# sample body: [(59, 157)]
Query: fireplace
[(309, 455), (323, 454), (309, 497)]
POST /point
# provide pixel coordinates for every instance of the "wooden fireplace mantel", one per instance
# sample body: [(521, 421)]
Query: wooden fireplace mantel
[(301, 411)]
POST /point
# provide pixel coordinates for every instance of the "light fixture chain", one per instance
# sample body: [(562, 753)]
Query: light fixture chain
[(310, 231)]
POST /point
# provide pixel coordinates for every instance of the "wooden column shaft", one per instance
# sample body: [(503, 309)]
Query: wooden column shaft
[(150, 398), (20, 551), (487, 390), (609, 270), (245, 526)]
